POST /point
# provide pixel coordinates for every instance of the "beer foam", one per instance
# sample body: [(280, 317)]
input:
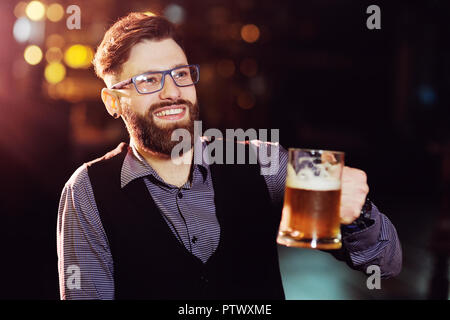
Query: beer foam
[(306, 179), (315, 184)]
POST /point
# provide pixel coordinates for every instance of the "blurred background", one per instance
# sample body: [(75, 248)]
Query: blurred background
[(309, 68)]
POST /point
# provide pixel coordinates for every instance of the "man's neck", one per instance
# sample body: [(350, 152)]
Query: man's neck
[(172, 171)]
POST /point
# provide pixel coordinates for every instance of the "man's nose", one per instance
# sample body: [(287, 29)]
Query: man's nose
[(170, 90)]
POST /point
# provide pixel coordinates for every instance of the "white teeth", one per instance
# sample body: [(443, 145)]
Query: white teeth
[(169, 112)]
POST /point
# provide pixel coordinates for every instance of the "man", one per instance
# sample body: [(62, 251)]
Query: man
[(135, 224)]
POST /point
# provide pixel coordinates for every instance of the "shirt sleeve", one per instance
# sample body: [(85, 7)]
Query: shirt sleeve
[(273, 159), (376, 245), (85, 264)]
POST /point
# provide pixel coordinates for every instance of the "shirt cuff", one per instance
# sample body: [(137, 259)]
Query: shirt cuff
[(365, 238)]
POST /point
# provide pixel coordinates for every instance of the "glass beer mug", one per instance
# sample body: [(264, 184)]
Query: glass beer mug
[(311, 211)]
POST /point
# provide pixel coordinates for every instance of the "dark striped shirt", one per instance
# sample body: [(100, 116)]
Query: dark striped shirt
[(190, 214)]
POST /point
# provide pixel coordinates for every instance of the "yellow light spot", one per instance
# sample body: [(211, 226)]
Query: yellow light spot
[(55, 40), (35, 10), (245, 100), (149, 13), (33, 54), (19, 9), (225, 68), (78, 56), (54, 72), (53, 54), (250, 33), (55, 12)]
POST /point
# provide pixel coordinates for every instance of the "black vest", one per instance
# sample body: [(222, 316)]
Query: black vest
[(150, 263)]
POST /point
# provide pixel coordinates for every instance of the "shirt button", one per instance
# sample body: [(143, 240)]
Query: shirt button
[(194, 239), (180, 195)]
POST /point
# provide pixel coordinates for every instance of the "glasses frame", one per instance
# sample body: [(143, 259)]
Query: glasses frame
[(126, 82)]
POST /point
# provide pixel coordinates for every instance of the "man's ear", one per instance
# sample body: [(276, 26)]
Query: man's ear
[(112, 102)]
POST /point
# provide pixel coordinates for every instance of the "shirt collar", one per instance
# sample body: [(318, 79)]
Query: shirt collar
[(134, 166)]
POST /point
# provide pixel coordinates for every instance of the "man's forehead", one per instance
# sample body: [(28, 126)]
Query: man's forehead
[(151, 55)]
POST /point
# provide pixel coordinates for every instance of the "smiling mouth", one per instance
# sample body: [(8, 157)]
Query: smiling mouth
[(174, 112)]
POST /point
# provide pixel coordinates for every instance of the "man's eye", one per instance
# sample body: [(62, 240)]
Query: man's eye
[(181, 74), (150, 80)]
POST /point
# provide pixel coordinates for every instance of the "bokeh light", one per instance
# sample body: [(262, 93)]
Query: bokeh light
[(78, 56), (249, 67), (174, 13), (53, 54), (55, 40), (250, 33), (35, 10), (54, 72), (33, 54), (37, 35), (234, 31), (225, 68), (22, 29), (69, 90), (52, 92), (245, 100), (19, 9), (208, 73), (427, 94), (218, 15), (258, 86), (55, 12)]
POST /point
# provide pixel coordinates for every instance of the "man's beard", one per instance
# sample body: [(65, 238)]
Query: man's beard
[(150, 136)]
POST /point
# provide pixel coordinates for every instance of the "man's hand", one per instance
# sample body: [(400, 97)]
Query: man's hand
[(353, 194)]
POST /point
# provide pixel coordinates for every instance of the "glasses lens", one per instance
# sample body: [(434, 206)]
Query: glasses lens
[(185, 76), (148, 82)]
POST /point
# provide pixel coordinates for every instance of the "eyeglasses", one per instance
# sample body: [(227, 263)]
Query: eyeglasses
[(151, 82)]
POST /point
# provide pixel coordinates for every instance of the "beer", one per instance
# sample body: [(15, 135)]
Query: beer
[(311, 212)]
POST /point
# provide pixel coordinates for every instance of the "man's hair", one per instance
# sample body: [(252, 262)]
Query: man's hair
[(114, 50)]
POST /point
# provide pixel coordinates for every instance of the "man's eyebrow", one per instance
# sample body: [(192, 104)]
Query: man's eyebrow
[(173, 67)]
